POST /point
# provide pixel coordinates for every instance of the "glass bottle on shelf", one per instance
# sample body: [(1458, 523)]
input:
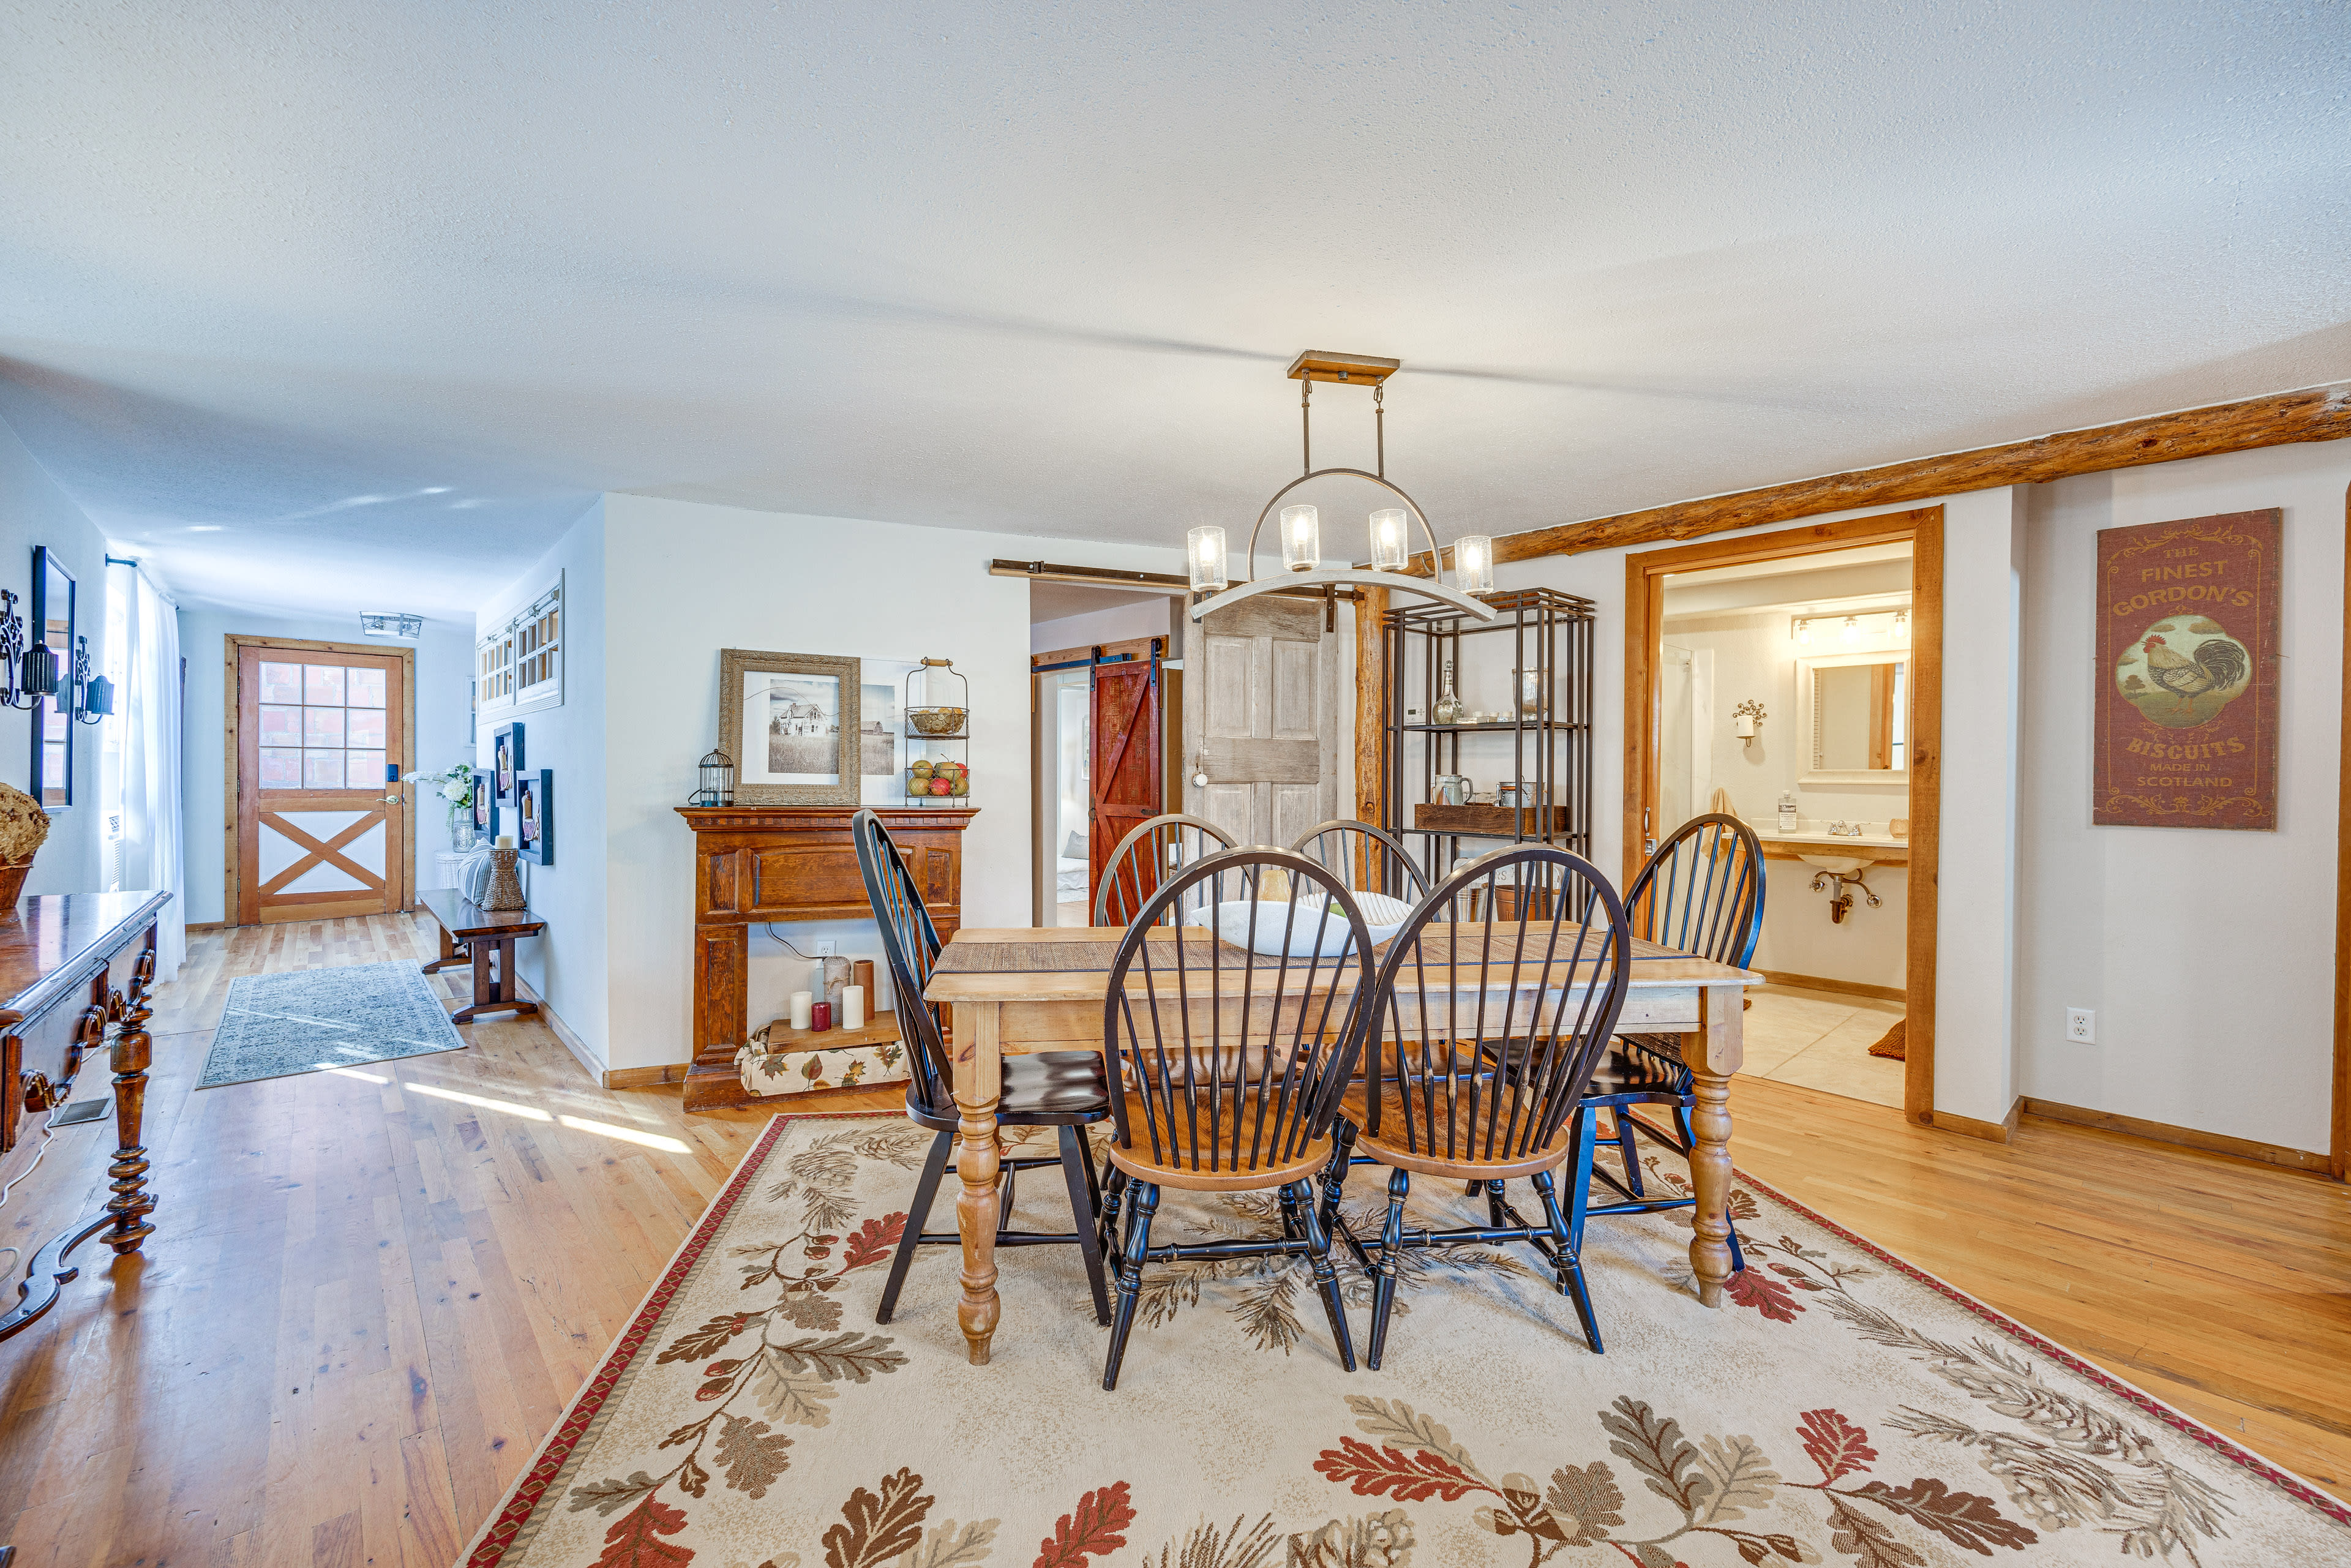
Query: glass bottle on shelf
[(1448, 706)]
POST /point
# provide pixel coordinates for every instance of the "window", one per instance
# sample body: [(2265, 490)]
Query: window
[(322, 727), (519, 667)]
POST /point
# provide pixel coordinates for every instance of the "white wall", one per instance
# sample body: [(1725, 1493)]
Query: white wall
[(796, 584), (2207, 955), (567, 964), (1115, 624), (444, 657), (35, 511)]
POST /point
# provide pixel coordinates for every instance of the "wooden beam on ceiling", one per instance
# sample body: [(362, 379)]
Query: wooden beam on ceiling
[(2312, 413)]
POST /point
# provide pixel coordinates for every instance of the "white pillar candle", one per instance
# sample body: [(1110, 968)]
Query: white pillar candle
[(802, 1002), (853, 1007), (506, 841)]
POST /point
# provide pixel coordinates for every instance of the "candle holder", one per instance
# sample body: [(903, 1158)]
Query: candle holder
[(506, 887)]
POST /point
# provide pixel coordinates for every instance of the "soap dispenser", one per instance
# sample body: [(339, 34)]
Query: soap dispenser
[(1787, 811)]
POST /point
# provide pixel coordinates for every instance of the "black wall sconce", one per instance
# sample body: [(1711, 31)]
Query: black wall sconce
[(26, 674), (94, 693)]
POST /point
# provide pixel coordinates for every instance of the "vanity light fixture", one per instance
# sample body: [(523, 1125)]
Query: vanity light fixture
[(1804, 633), (1301, 525), (1852, 630)]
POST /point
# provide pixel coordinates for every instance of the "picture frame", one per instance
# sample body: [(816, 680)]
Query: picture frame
[(507, 761), (789, 722), (485, 807), (534, 812)]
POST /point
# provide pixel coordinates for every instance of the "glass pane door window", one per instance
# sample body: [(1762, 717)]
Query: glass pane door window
[(322, 727)]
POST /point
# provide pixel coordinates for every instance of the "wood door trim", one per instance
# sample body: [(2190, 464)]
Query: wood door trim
[(401, 877), (1645, 626), (2277, 419)]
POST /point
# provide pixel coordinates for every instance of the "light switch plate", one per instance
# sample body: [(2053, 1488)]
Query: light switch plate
[(2081, 1026)]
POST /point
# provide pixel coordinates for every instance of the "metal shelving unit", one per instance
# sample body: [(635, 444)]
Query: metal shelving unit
[(1550, 636)]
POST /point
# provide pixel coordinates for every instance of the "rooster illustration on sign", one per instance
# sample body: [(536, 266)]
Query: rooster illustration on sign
[(2182, 673)]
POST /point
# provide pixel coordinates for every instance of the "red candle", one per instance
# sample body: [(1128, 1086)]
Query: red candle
[(819, 1017)]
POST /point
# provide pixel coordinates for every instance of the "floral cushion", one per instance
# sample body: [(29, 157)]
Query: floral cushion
[(836, 1067)]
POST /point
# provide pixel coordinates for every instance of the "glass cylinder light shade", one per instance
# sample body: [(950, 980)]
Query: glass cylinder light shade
[(1301, 539), (1389, 539), (1205, 547), (1473, 563)]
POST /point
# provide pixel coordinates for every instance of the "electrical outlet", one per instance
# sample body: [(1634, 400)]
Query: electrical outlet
[(827, 949), (2081, 1026)]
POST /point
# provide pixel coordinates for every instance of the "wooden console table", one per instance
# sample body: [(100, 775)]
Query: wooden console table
[(482, 934), (753, 864), (74, 966)]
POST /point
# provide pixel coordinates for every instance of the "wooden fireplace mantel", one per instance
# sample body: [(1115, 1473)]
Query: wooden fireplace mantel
[(753, 864)]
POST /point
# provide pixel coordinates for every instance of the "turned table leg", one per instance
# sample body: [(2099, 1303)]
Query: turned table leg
[(1713, 1052), (978, 1084), (133, 1051)]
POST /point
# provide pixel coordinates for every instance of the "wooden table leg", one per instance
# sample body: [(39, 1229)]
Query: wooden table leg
[(132, 1203), (979, 1083), (451, 955), (1713, 1052)]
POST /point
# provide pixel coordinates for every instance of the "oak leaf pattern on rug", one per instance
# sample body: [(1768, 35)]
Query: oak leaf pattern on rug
[(1840, 1408)]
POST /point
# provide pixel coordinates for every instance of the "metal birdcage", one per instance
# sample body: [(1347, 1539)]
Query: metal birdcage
[(718, 780)]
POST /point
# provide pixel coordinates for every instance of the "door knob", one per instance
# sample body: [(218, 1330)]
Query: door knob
[(392, 800)]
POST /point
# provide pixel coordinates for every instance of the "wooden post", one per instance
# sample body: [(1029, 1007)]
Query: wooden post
[(1713, 1052), (979, 1085), (1371, 714)]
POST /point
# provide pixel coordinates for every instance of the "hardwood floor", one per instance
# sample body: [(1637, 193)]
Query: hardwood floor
[(372, 1291)]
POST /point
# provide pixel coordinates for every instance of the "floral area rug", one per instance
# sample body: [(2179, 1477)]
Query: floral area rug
[(1842, 1409)]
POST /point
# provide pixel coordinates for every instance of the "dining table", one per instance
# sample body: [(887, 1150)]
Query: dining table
[(1011, 990)]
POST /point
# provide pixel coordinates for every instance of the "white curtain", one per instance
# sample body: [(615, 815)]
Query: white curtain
[(143, 785)]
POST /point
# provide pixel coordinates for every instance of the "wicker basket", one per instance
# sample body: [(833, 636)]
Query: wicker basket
[(12, 887), (935, 720)]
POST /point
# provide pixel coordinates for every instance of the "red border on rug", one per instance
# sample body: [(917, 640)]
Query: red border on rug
[(524, 1499)]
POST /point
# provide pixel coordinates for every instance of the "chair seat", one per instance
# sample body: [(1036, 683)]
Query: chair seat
[(1044, 1088), (1668, 1046), (1171, 1171), (1390, 1148), (1636, 1073)]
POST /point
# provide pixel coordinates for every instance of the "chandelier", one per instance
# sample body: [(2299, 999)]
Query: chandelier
[(1301, 525)]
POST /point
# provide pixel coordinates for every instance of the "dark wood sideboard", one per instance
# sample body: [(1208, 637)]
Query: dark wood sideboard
[(75, 973), (753, 864)]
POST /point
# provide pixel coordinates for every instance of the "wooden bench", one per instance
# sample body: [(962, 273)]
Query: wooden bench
[(472, 935)]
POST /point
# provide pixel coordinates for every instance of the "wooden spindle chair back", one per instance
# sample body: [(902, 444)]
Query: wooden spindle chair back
[(1143, 860), (1702, 890), (910, 945), (1223, 1060), (1486, 1027), (1364, 857)]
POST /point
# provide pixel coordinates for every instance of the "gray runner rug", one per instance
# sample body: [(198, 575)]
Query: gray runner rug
[(304, 1020)]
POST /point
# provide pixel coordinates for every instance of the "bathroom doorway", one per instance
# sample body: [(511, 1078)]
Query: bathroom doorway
[(1794, 680)]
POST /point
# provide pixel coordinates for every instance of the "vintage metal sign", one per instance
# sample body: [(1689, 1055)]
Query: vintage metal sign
[(2187, 673)]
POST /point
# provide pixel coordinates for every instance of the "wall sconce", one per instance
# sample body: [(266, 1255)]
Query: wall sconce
[(1804, 633), (1747, 721), (94, 693)]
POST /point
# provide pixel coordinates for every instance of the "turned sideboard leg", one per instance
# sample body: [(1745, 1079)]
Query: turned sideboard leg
[(131, 1202)]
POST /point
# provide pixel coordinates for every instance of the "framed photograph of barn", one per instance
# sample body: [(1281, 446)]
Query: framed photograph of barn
[(790, 722), (2187, 673)]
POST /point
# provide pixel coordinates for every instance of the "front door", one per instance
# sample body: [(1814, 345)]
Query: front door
[(321, 744), (1261, 720)]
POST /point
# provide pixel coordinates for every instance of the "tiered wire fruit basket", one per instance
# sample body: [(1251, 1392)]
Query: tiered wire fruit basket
[(938, 735)]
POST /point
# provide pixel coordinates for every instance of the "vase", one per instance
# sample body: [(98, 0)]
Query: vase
[(1448, 706), (461, 829), (506, 887), (12, 885)]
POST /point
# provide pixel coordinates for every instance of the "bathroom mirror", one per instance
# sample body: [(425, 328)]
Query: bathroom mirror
[(51, 623), (1854, 715)]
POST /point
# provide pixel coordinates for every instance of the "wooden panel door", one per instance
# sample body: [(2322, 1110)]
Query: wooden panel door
[(321, 737), (1261, 721), (1126, 780)]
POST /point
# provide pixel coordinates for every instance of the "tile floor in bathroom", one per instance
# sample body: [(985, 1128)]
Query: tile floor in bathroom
[(1820, 1039)]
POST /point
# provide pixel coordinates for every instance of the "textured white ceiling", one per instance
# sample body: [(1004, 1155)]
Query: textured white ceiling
[(382, 294)]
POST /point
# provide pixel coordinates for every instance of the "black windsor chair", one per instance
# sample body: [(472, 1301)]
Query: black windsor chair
[(1483, 1031), (1048, 1089), (1152, 850), (1364, 856), (1228, 1061), (1701, 892)]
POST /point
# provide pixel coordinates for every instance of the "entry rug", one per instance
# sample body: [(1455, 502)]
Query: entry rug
[(306, 1019), (1841, 1407)]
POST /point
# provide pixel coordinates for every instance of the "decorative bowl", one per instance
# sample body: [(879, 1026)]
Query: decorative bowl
[(935, 720)]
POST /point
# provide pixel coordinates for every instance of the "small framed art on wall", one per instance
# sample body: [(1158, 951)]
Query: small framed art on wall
[(534, 810)]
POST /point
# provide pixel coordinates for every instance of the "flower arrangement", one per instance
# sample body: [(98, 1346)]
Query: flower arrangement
[(454, 784), (23, 826)]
